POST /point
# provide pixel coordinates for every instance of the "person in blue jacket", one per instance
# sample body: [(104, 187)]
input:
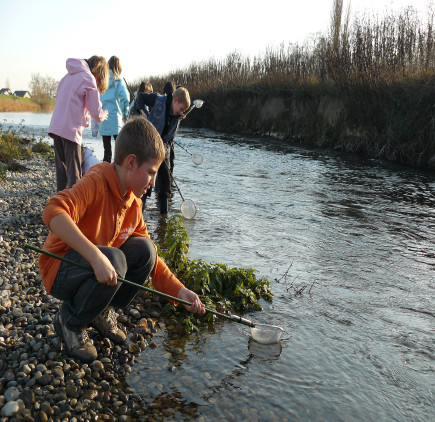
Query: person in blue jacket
[(166, 114), (116, 101)]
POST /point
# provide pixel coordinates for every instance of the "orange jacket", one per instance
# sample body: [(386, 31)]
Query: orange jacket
[(96, 204)]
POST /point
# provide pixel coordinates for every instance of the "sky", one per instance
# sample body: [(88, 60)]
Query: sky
[(155, 38)]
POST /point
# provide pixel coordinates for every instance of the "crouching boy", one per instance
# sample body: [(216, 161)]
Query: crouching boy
[(99, 222)]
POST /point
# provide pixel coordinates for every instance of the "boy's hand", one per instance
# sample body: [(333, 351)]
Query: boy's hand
[(104, 271), (197, 306)]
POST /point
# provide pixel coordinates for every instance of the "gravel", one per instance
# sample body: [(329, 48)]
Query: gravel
[(38, 381)]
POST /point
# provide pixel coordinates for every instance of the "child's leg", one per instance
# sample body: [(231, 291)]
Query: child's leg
[(172, 157), (107, 143), (141, 256), (84, 297), (73, 161), (164, 182), (59, 159)]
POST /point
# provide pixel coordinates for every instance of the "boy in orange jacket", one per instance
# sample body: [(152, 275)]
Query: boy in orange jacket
[(99, 222)]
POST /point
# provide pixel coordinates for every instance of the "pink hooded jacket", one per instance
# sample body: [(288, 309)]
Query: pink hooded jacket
[(77, 94)]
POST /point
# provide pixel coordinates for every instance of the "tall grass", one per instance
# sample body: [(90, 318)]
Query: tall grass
[(11, 103), (367, 86), (368, 50)]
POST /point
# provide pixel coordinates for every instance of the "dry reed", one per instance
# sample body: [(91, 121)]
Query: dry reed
[(368, 51), (14, 104)]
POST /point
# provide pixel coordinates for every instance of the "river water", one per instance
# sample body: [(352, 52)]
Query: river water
[(347, 244)]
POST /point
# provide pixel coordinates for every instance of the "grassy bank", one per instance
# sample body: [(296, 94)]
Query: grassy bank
[(10, 104), (368, 86), (16, 145)]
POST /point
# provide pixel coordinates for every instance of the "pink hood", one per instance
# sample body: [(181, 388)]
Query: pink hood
[(74, 66), (77, 94)]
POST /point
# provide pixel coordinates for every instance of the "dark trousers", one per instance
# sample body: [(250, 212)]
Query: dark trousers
[(107, 143), (84, 298), (68, 162), (172, 157), (163, 179)]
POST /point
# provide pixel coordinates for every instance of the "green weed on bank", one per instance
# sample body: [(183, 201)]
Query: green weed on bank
[(221, 288), (17, 144)]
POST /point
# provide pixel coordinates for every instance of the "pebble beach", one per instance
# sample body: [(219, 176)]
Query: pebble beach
[(38, 381)]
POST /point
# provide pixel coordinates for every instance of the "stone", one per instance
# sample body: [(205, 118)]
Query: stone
[(12, 394), (10, 409)]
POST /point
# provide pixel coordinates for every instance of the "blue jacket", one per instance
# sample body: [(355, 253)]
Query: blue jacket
[(116, 101)]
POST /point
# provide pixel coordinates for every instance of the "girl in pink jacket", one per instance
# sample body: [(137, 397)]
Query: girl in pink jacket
[(77, 94)]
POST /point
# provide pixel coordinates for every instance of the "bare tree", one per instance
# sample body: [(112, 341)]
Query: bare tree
[(43, 86), (43, 89)]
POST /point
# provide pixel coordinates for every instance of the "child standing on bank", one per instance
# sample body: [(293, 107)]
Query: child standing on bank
[(115, 100), (134, 109), (165, 115), (99, 222), (77, 94)]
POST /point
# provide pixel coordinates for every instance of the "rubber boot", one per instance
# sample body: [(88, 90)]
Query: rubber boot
[(163, 205)]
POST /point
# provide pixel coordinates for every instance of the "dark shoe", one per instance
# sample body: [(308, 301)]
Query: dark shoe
[(107, 326), (79, 344)]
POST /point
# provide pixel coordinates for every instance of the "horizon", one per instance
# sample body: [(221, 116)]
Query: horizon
[(245, 27)]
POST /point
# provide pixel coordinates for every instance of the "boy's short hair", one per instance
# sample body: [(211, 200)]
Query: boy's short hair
[(139, 137), (183, 96)]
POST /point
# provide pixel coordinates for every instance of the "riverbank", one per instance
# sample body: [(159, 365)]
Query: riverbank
[(389, 121), (37, 380), (367, 87), (17, 104)]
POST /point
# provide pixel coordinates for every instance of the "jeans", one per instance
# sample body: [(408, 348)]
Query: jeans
[(84, 298)]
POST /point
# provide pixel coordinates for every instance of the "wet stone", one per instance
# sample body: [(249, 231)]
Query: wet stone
[(135, 313), (45, 407), (105, 385), (17, 312), (42, 416), (45, 379), (58, 372), (28, 397), (90, 394), (72, 391), (97, 366), (122, 319), (12, 394), (10, 409)]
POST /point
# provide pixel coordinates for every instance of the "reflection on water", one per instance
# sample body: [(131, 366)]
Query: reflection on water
[(359, 342)]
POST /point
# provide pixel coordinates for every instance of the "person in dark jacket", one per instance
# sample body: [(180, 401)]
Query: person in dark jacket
[(166, 113)]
